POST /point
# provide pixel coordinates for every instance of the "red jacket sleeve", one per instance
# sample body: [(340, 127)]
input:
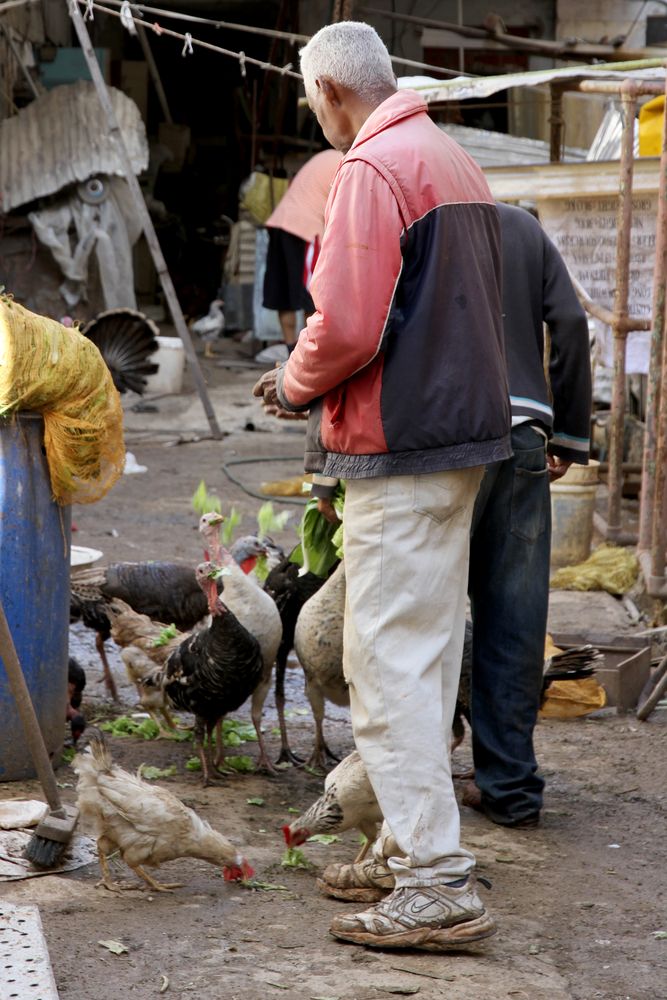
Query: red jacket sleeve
[(353, 285)]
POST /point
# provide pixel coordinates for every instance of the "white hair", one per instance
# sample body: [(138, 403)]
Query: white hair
[(350, 53)]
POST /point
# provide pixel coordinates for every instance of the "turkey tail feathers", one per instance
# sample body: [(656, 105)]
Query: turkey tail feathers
[(125, 338)]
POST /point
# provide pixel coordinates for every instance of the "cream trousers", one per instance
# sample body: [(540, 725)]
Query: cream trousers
[(406, 565)]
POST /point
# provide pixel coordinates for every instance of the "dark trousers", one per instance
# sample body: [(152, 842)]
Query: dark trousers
[(509, 593)]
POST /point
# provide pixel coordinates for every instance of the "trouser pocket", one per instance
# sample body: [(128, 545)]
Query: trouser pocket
[(530, 503)]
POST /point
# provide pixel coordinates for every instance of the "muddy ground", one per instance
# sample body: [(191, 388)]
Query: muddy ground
[(579, 901)]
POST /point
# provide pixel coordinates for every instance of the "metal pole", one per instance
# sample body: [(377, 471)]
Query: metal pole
[(623, 235), (659, 532), (17, 55), (647, 505), (155, 73), (144, 217), (556, 123)]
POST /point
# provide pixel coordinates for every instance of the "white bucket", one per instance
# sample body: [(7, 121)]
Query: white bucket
[(170, 356), (572, 506)]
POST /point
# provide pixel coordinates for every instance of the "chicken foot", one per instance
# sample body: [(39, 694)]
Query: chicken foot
[(153, 883)]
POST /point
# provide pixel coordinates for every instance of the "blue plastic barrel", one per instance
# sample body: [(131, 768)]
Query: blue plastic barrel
[(34, 587)]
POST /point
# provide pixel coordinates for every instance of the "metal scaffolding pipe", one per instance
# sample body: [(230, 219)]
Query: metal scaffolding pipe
[(628, 91), (648, 487)]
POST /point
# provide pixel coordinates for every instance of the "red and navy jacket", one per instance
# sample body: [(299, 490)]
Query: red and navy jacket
[(405, 349)]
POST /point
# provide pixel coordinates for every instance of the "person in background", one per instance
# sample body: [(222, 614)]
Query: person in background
[(295, 233), (404, 354), (511, 529)]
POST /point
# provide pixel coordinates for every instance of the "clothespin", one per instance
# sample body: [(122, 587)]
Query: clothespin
[(88, 14), (242, 63), (187, 45), (126, 17), (286, 68), (156, 28)]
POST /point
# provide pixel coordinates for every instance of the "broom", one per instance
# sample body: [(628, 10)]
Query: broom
[(53, 834)]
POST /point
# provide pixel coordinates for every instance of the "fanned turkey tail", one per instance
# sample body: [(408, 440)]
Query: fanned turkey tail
[(125, 338)]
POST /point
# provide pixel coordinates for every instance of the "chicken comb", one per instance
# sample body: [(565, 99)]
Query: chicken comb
[(287, 834)]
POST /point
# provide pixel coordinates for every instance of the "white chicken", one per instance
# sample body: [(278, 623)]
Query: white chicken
[(254, 609), (348, 801), (146, 824), (210, 327)]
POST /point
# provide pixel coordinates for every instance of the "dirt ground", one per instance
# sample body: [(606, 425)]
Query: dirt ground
[(579, 900)]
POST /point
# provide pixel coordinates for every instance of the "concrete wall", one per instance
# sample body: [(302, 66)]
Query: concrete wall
[(596, 18)]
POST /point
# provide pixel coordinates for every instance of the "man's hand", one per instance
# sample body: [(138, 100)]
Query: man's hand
[(557, 467), (266, 387), (275, 410), (327, 509)]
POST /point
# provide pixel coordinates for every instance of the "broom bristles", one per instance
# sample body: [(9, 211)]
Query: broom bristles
[(48, 843)]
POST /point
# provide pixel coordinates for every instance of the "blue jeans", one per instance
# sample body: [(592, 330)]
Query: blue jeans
[(509, 593)]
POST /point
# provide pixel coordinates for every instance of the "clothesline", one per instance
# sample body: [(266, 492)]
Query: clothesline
[(289, 36), (188, 41), (15, 3)]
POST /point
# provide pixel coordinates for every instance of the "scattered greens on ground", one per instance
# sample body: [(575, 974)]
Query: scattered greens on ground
[(291, 809), (193, 764), (258, 801), (147, 729), (68, 755), (254, 883), (242, 763), (323, 838), (151, 773), (295, 858), (168, 633)]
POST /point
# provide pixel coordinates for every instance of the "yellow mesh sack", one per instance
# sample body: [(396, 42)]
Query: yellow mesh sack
[(50, 369)]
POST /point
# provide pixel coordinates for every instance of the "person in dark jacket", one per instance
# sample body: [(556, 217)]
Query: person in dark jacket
[(511, 528)]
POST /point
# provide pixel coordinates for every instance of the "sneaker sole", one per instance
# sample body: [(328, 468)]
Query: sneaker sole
[(426, 938), (352, 894)]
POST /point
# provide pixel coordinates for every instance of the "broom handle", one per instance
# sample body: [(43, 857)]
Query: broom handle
[(29, 721)]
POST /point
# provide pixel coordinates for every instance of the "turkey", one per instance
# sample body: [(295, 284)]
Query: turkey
[(165, 591), (348, 801), (152, 698), (254, 608), (318, 641), (210, 327), (125, 338), (290, 588), (213, 671)]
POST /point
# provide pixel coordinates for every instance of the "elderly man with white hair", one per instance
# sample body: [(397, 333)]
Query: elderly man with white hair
[(402, 369)]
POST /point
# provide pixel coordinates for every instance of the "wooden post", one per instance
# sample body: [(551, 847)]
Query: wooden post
[(144, 217)]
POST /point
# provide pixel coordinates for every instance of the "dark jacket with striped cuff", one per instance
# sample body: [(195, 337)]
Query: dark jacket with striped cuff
[(537, 290)]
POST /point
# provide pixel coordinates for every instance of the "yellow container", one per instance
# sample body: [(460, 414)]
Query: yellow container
[(572, 506)]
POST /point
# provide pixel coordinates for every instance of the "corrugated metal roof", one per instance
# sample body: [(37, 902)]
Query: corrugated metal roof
[(496, 149), (61, 139), (462, 88)]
